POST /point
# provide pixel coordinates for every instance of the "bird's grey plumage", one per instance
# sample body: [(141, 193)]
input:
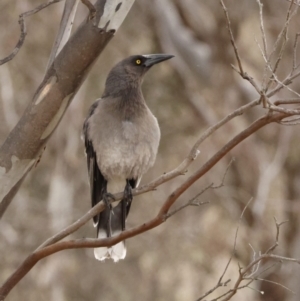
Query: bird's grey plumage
[(121, 139)]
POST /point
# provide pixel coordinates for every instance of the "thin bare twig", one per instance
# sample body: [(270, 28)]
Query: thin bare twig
[(290, 122), (225, 174), (252, 267), (193, 201), (276, 283), (269, 268), (286, 101), (285, 110), (296, 2), (289, 15), (287, 81), (255, 267), (242, 275), (23, 29), (262, 28), (275, 78), (240, 70), (278, 225), (238, 226), (263, 49), (281, 36), (247, 77), (250, 272), (212, 129), (295, 65), (220, 282), (232, 37)]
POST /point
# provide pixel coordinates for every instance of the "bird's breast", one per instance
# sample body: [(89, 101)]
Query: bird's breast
[(130, 149)]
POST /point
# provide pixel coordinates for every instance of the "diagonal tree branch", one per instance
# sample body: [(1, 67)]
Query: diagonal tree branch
[(54, 245), (25, 142)]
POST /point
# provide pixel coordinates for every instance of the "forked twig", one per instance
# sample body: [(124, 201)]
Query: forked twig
[(193, 201), (253, 267), (241, 70), (281, 36), (278, 225), (251, 272), (220, 282)]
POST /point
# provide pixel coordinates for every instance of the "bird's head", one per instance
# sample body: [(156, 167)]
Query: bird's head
[(131, 71)]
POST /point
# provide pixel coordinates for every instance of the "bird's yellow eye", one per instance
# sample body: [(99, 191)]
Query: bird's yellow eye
[(138, 62)]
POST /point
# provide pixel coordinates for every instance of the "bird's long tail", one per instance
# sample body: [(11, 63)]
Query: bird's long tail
[(117, 251)]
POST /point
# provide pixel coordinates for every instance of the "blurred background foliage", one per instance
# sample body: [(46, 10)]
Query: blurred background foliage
[(183, 258)]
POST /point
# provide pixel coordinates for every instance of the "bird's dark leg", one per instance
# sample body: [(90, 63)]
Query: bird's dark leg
[(106, 199), (127, 199)]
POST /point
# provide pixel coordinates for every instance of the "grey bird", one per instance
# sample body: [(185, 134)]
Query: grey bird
[(121, 139)]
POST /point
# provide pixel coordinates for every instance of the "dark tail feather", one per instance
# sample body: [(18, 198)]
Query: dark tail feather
[(117, 251)]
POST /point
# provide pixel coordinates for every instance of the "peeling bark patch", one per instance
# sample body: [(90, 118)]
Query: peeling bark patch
[(55, 120), (115, 12), (42, 94), (118, 6), (8, 178)]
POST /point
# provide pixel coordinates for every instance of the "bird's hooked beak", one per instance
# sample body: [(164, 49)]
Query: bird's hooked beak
[(152, 59)]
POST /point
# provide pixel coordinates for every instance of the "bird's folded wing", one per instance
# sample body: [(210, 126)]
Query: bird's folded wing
[(97, 181)]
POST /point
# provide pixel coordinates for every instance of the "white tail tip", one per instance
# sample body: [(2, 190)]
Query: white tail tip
[(115, 252)]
